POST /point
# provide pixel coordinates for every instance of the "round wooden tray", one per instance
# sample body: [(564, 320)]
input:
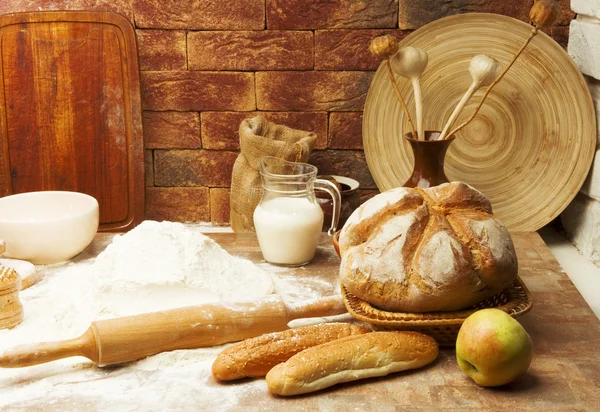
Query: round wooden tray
[(530, 147)]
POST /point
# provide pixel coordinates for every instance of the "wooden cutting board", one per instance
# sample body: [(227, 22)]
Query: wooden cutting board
[(70, 111)]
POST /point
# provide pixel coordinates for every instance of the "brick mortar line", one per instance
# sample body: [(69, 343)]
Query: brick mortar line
[(153, 169), (329, 129), (265, 15), (314, 49), (255, 92), (187, 54), (197, 187)]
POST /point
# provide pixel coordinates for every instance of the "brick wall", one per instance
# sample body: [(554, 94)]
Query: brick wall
[(207, 64), (582, 218)]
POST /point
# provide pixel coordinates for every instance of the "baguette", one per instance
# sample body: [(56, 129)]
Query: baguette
[(256, 356), (349, 359)]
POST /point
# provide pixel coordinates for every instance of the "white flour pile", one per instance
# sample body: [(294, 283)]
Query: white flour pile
[(164, 265), (155, 266)]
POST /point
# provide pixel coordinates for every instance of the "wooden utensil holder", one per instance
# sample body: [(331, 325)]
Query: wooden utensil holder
[(11, 309)]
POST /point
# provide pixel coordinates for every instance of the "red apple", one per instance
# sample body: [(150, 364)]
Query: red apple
[(493, 348)]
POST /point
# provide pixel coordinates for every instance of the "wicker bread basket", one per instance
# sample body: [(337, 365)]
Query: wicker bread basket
[(443, 326)]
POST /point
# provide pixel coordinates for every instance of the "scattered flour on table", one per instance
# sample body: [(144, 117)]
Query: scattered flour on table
[(154, 267)]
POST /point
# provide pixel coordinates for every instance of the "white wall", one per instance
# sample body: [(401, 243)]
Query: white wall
[(582, 218)]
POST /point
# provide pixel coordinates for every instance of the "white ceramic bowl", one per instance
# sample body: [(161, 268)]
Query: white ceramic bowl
[(47, 227)]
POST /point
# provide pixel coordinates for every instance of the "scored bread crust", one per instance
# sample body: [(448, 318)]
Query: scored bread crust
[(424, 250), (254, 357), (349, 359)]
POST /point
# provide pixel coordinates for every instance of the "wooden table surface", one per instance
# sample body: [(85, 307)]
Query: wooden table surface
[(564, 374)]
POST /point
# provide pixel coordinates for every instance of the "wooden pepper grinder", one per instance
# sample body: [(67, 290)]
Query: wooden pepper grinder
[(11, 309)]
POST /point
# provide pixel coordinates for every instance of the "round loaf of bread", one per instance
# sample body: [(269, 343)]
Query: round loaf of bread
[(425, 250)]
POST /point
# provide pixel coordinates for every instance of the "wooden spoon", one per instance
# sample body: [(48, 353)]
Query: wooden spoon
[(410, 63), (484, 71)]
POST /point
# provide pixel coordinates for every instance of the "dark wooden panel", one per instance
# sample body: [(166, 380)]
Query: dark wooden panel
[(70, 110)]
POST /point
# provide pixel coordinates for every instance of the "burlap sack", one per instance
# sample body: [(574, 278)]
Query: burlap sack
[(259, 138)]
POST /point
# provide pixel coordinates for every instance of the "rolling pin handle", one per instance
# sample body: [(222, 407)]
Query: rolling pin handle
[(29, 355)]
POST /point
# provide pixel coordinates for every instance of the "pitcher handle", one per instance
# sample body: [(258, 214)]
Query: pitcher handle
[(327, 186)]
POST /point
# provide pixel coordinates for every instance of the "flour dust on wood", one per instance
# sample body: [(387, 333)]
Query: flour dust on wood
[(154, 267)]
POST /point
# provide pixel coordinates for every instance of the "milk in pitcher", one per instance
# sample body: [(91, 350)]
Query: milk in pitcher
[(288, 219), (288, 229)]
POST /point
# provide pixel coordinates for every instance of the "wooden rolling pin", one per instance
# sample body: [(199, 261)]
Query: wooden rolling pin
[(112, 341)]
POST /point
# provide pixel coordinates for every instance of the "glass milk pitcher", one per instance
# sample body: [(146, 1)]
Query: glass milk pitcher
[(288, 219)]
